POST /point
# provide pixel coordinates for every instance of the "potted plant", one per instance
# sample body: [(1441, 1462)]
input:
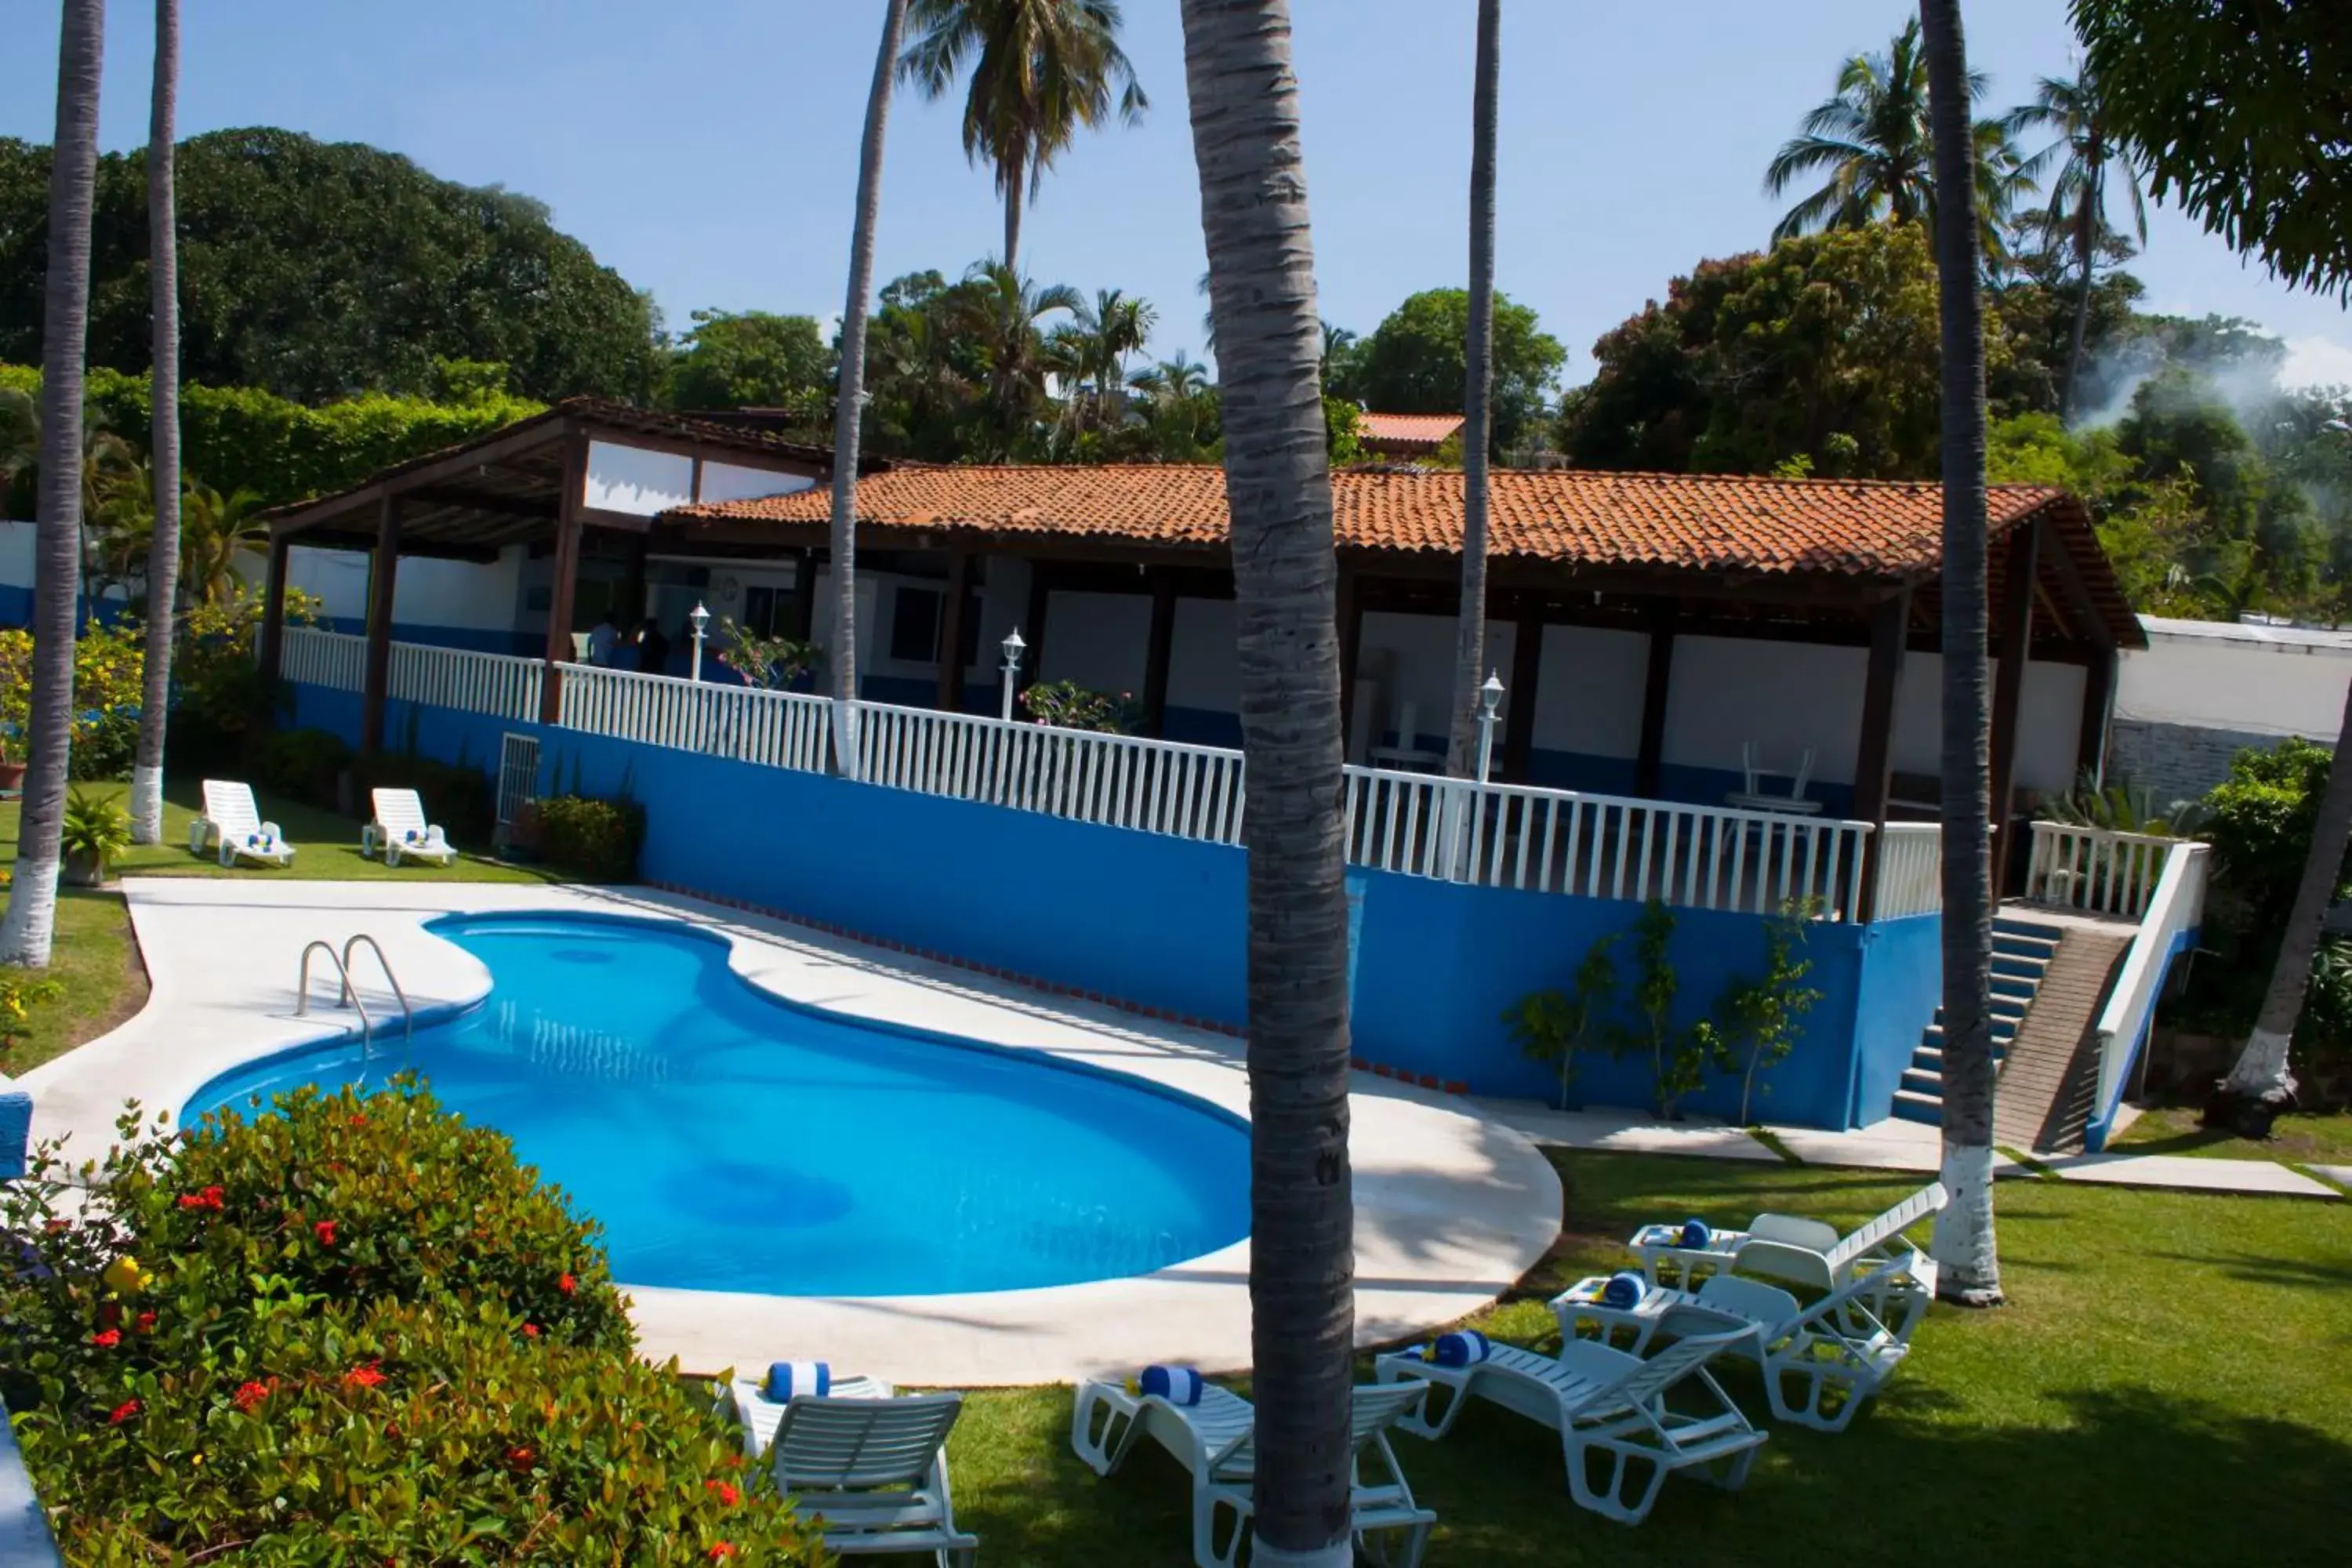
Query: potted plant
[(97, 829)]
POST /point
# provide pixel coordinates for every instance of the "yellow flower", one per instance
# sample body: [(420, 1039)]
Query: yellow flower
[(122, 1276)]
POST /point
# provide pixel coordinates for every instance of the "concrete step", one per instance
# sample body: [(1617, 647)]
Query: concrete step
[(1924, 1109)]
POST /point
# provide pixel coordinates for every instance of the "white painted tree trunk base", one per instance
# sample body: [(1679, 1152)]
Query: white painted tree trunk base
[(30, 927), (146, 805), (2260, 1067), (1343, 1555), (1967, 1261)]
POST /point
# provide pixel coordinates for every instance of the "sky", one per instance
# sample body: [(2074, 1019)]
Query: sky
[(708, 149)]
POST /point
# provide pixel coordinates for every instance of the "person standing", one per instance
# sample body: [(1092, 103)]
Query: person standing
[(652, 649), (603, 638)]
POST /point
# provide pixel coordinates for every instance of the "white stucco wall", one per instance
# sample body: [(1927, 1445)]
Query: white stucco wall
[(2049, 721), (1203, 671), (1589, 691), (17, 554), (473, 595), (2264, 680), (1784, 697)]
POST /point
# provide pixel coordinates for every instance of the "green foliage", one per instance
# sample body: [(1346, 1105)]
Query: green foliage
[(96, 830), (461, 799), (772, 664), (317, 272), (1414, 363), (20, 992), (108, 663), (1343, 427), (2117, 807), (1555, 1025), (1066, 705), (753, 359), (221, 699), (596, 839), (1755, 1022), (301, 763), (1678, 1058)]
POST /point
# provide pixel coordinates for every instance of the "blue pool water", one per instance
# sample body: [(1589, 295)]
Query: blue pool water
[(730, 1143)]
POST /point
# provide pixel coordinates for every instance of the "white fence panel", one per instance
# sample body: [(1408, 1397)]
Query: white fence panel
[(779, 729), (2095, 868), (336, 661), (2173, 907), (497, 684), (1910, 870)]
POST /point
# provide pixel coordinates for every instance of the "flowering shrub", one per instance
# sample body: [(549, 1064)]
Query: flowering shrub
[(108, 662), (1066, 705)]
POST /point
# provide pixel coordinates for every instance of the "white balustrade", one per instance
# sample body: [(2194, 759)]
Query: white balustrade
[(2095, 869), (495, 684), (1910, 877), (2173, 907), (336, 661), (779, 729)]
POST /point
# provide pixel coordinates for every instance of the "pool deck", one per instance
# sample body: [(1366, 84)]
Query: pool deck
[(1452, 1207)]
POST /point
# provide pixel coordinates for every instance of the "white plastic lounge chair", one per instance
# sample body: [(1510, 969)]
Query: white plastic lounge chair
[(1838, 1351), (232, 817), (401, 831), (1215, 1440), (1789, 1247), (870, 1464), (1605, 1404)]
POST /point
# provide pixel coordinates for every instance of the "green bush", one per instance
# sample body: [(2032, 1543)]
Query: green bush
[(301, 764), (108, 663), (597, 840)]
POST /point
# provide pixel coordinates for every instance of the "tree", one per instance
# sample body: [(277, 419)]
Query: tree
[(30, 924), (850, 405), (1040, 69), (1872, 137), (2078, 196), (164, 446), (1416, 361), (1254, 217), (218, 534), (319, 271), (1000, 311), (753, 360), (2239, 109), (1090, 353), (1478, 379), (1967, 1261)]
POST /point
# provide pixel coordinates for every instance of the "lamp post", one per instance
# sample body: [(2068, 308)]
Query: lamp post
[(1013, 648), (702, 618), (1490, 698)]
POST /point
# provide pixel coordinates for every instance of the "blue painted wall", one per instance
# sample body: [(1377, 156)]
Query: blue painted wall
[(1160, 921)]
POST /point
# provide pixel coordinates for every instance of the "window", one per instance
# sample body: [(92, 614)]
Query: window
[(915, 625), (762, 608)]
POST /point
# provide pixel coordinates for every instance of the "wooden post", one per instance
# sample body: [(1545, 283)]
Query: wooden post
[(567, 577), (803, 609), (384, 582), (2009, 685), (1649, 764), (951, 692), (632, 584), (1526, 669), (1352, 637), (1157, 652), (2099, 716), (1873, 762), (273, 611)]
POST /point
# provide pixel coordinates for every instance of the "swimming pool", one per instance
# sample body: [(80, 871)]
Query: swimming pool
[(730, 1142)]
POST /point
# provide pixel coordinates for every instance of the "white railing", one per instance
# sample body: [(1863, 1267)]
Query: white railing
[(1910, 877), (337, 660), (2095, 869), (2175, 907), (1118, 781), (779, 729), (497, 684)]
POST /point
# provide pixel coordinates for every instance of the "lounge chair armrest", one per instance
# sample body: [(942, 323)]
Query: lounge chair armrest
[(272, 832)]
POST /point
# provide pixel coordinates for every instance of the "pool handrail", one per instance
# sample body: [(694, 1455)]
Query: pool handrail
[(350, 993)]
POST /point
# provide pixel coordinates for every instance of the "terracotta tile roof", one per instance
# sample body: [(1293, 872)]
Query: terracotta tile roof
[(1424, 431)]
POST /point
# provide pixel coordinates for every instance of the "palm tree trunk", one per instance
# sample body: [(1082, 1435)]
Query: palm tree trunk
[(2083, 256), (1477, 400), (1246, 140), (1967, 1261), (163, 552), (1013, 219), (850, 405), (2260, 1086)]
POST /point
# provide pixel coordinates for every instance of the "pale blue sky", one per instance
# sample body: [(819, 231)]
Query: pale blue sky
[(708, 148)]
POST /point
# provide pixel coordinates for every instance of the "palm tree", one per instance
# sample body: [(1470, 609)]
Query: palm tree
[(1092, 349), (2094, 155), (1872, 137), (1477, 398), (218, 534), (1246, 141), (850, 403), (163, 480), (1000, 311), (1968, 1263), (30, 925), (1040, 69)]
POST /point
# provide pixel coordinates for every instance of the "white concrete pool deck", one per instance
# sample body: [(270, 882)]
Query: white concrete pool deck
[(1451, 1209)]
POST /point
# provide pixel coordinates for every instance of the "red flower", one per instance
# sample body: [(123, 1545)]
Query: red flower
[(567, 1284), (107, 1340), (209, 1198), (366, 1376), (359, 1120), (109, 1313), (250, 1395), (721, 1550), (521, 1456), (121, 1413), (326, 1232), (146, 1322), (727, 1490), (531, 1330)]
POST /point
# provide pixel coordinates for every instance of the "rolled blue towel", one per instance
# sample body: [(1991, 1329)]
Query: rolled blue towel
[(1465, 1347), (1176, 1384), (787, 1378), (1696, 1236), (1625, 1291)]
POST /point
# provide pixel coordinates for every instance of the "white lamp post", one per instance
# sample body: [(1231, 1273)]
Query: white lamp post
[(1013, 648), (1490, 698), (702, 618)]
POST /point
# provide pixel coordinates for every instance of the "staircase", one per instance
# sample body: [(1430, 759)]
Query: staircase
[(2022, 952)]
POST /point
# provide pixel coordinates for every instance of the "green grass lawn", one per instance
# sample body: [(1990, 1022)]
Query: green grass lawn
[(95, 962), (2168, 1385), (2296, 1139)]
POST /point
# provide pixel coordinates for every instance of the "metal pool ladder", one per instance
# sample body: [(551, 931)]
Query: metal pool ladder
[(350, 994)]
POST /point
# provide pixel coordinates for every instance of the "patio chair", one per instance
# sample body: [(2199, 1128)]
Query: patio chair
[(1789, 1247), (1753, 796), (231, 816), (1838, 1351), (1608, 1406), (869, 1463), (1214, 1440), (401, 831)]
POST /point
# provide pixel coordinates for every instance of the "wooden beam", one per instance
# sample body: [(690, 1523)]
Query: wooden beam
[(2098, 718), (1649, 764), (950, 691), (1874, 763), (2080, 608), (1160, 649), (542, 430), (1526, 668), (463, 499), (567, 577), (2016, 631), (384, 583)]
